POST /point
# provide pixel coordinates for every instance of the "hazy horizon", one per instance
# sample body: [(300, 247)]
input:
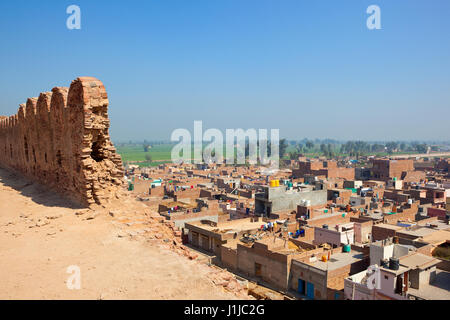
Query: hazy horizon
[(311, 69)]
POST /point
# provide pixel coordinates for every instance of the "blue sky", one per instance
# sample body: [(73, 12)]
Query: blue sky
[(310, 68)]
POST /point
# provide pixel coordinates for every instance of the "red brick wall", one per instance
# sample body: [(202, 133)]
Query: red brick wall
[(406, 215), (229, 258), (380, 233), (435, 212), (187, 194)]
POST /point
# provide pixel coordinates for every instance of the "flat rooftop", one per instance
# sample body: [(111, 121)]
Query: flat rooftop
[(418, 260), (425, 232), (338, 260), (230, 226), (375, 215), (326, 215), (437, 237), (389, 226), (439, 289)]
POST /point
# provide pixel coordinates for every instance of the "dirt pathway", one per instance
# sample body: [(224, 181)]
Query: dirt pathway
[(119, 256)]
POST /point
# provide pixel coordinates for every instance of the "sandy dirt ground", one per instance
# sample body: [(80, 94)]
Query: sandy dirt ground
[(120, 254)]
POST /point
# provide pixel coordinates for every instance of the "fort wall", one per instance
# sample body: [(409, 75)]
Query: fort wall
[(61, 139)]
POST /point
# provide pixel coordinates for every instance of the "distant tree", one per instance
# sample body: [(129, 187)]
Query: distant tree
[(330, 153), (269, 148), (402, 146), (148, 157), (391, 146), (282, 147), (309, 145), (422, 148), (376, 147), (263, 142)]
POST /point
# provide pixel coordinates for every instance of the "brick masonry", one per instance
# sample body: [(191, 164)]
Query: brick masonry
[(61, 140)]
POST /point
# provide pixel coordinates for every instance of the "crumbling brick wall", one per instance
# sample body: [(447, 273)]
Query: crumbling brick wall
[(61, 140)]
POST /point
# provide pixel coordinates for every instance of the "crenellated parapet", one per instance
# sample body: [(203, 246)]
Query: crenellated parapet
[(61, 139)]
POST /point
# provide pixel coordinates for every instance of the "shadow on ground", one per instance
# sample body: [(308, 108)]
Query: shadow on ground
[(442, 280), (38, 193)]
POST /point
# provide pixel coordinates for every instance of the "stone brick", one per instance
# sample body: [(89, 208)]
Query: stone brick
[(61, 140)]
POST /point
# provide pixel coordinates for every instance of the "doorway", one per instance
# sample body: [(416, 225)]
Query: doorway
[(301, 286)]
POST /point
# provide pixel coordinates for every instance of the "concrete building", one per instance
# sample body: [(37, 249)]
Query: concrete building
[(229, 184), (398, 272), (318, 279), (268, 260), (209, 235), (276, 199), (341, 234), (352, 184), (356, 201)]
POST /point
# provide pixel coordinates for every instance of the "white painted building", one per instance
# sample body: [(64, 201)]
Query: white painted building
[(411, 275)]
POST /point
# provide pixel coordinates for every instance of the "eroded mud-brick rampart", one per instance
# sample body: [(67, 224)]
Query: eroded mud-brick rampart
[(61, 140)]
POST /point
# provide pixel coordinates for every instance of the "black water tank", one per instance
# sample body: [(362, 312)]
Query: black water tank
[(394, 264), (325, 226)]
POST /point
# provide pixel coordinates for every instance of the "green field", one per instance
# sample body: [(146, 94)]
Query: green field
[(161, 153), (135, 152)]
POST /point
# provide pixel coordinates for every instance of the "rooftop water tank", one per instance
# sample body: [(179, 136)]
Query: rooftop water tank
[(394, 264)]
